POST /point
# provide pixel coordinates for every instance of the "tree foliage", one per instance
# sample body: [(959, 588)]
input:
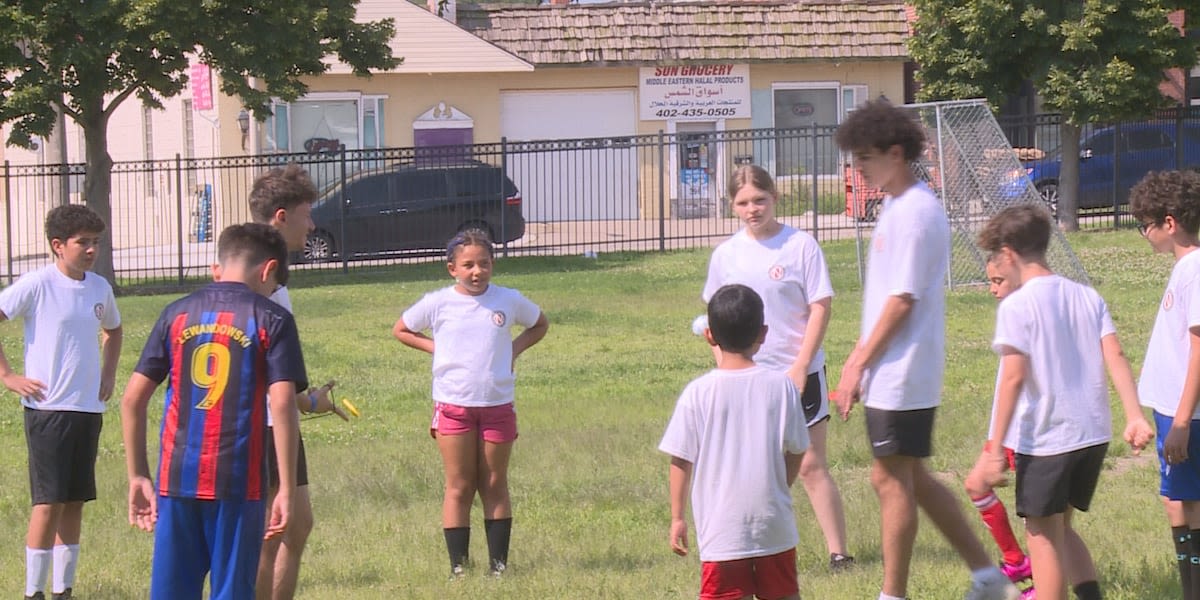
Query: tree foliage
[(89, 56), (1090, 60)]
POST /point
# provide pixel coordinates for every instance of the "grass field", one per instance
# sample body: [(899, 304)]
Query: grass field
[(589, 488)]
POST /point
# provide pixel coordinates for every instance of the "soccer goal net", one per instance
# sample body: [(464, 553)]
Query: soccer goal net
[(971, 166)]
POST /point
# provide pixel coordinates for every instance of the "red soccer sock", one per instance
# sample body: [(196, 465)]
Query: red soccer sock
[(995, 516)]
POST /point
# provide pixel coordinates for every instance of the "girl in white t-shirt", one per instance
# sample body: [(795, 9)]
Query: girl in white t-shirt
[(474, 420), (786, 267)]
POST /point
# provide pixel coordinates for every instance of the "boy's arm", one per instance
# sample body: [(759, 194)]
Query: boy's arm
[(792, 462), (814, 336), (1014, 367), (531, 335), (18, 384), (143, 501), (681, 480), (1138, 431), (1175, 446), (281, 397), (896, 310), (410, 338), (110, 353)]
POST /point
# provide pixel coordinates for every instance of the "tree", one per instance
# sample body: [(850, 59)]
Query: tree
[(1090, 60), (86, 57)]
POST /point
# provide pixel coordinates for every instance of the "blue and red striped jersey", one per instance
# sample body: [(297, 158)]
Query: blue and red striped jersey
[(219, 349)]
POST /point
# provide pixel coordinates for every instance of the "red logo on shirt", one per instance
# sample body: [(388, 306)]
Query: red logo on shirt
[(776, 272), (98, 310), (499, 318), (1168, 300)]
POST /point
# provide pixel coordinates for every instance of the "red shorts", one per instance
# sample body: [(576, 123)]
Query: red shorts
[(1009, 455), (768, 577), (496, 424)]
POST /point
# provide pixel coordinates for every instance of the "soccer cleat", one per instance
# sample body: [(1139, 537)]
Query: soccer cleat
[(457, 572), (498, 569), (993, 588), (1018, 572), (1029, 594), (840, 562), (36, 596), (63, 595)]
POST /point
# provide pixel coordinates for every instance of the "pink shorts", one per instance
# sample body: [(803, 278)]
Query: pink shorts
[(767, 577), (496, 424)]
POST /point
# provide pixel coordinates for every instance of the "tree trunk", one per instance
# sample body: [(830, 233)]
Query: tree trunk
[(97, 182), (1068, 177)]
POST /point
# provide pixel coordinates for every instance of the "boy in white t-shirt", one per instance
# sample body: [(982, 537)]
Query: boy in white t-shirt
[(897, 364), (1167, 205), (736, 439), (67, 382), (1055, 338)]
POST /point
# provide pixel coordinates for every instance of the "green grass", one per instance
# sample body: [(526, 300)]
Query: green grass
[(589, 488)]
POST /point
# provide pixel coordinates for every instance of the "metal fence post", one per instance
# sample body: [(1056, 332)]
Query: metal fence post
[(816, 200), (179, 214), (504, 194), (1118, 147), (662, 192), (342, 221), (8, 221)]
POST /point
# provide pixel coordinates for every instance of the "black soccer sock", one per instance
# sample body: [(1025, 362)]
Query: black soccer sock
[(1182, 537), (1194, 566), (1088, 590), (458, 545), (498, 533)]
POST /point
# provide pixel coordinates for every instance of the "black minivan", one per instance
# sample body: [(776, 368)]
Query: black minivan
[(413, 208)]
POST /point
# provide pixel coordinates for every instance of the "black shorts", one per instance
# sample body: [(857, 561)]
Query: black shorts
[(62, 455), (273, 465), (814, 398), (1047, 484), (900, 432)]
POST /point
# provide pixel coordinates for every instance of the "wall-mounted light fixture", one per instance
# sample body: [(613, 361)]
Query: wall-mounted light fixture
[(243, 121)]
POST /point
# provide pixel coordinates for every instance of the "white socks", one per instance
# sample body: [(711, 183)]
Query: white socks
[(66, 557), (883, 596), (37, 564)]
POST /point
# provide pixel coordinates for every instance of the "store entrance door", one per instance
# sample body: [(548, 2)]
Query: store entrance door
[(697, 188)]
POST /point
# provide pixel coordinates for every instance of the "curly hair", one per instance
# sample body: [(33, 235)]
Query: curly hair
[(1168, 193), (280, 188), (68, 220), (1024, 228), (879, 125)]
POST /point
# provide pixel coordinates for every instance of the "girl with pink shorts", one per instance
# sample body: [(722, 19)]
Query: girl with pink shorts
[(474, 419)]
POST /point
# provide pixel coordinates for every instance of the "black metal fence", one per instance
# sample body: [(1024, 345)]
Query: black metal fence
[(578, 196)]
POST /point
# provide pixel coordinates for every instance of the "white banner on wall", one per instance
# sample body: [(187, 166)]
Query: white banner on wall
[(694, 92)]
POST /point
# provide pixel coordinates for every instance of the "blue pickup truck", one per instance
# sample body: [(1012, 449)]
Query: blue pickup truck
[(1141, 148)]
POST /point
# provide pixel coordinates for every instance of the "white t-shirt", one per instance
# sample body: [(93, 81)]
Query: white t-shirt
[(1165, 366), (734, 426), (909, 254), (472, 342), (788, 271), (281, 297), (1063, 406), (63, 318)]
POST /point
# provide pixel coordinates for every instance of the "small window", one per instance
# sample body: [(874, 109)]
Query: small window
[(475, 182), (1147, 139), (369, 191), (1102, 143)]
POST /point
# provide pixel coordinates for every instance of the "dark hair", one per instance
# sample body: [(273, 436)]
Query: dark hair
[(735, 317), (1024, 228), (1163, 193), (282, 187), (753, 175), (254, 244), (879, 125), (468, 237), (63, 222)]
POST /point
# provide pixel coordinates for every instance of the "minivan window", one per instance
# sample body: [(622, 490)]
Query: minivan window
[(368, 190), (422, 185), (475, 182)]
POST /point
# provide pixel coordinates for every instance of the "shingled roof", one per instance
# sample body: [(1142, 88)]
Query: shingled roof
[(645, 33)]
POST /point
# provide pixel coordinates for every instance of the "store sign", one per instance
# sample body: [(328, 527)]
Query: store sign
[(694, 92), (200, 82)]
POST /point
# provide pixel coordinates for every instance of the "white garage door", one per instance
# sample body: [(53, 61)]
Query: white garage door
[(590, 172)]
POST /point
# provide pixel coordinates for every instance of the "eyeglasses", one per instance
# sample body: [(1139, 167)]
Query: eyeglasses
[(1144, 227)]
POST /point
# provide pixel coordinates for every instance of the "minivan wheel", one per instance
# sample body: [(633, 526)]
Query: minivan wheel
[(1049, 193), (318, 247)]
